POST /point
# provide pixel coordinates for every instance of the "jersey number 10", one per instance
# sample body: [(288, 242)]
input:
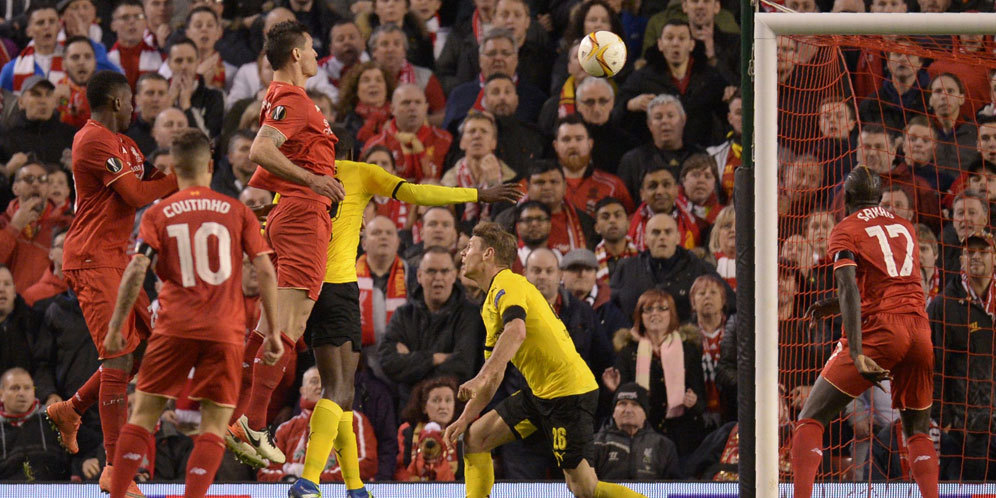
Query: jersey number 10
[(198, 258), (883, 242)]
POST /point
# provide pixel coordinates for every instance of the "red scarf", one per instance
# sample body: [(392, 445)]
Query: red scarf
[(475, 25), (373, 119), (726, 267), (219, 75), (394, 210), (406, 74), (396, 294), (990, 303), (136, 61), (32, 229), (733, 161), (18, 419), (602, 256), (566, 107), (707, 212), (409, 165), (566, 222), (465, 178), (25, 66), (687, 227), (75, 110), (710, 358)]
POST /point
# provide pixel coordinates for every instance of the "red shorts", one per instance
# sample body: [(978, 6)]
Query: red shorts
[(299, 231), (168, 360), (899, 343), (97, 291)]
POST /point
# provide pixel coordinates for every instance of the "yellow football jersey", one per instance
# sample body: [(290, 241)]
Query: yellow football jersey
[(362, 181), (547, 358)]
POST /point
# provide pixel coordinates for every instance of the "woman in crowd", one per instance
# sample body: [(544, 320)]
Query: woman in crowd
[(654, 355), (723, 245), (365, 100), (423, 454), (708, 299), (387, 206)]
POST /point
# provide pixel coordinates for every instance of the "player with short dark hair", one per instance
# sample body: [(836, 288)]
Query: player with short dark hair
[(886, 333), (295, 151), (562, 395), (196, 238), (107, 169)]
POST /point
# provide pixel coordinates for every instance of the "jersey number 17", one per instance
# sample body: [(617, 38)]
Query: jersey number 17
[(890, 232)]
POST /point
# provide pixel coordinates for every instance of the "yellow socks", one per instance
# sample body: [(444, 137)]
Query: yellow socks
[(324, 425), (345, 450), (610, 490), (479, 474)]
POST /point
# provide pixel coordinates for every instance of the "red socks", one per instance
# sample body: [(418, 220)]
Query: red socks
[(266, 378), (807, 453), (203, 464), (253, 344), (133, 442), (923, 463), (87, 394), (113, 405)]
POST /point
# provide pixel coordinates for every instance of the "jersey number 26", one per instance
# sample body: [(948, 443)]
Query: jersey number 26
[(883, 242), (198, 257)]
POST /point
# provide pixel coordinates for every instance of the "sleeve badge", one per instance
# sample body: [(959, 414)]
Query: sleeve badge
[(114, 165)]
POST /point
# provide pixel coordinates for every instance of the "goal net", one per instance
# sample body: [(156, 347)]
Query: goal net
[(917, 106)]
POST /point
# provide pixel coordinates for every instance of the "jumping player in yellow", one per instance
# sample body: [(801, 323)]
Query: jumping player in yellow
[(562, 395), (334, 324)]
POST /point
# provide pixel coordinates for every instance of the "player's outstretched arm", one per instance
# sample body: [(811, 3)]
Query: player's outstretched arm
[(131, 285), (265, 151), (272, 346), (436, 195)]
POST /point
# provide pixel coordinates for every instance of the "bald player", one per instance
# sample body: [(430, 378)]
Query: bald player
[(886, 333)]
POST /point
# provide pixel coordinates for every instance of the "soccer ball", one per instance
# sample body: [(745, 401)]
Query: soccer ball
[(602, 53)]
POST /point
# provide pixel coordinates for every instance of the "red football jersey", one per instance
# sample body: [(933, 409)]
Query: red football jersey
[(310, 142), (98, 235), (199, 236), (887, 257)]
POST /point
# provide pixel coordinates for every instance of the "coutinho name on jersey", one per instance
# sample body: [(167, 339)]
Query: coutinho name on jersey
[(187, 205)]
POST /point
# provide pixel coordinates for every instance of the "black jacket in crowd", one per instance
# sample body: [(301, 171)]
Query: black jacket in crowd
[(74, 355), (22, 345), (675, 275), (637, 162), (48, 139), (456, 329), (29, 449), (207, 109), (645, 456), (702, 100), (963, 350)]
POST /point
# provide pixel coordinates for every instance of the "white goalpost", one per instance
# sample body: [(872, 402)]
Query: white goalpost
[(767, 27)]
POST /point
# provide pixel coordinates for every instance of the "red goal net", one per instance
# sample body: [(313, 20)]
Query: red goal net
[(921, 112)]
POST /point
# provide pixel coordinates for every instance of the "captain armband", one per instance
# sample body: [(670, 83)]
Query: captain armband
[(512, 313)]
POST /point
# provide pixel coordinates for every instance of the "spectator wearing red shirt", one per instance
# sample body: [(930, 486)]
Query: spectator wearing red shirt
[(419, 148), (586, 184), (79, 63), (28, 226), (51, 282), (292, 438)]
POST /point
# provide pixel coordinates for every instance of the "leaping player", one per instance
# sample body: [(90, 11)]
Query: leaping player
[(886, 333)]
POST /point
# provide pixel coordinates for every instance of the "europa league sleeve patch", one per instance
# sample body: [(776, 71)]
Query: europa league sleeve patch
[(278, 113), (114, 165)]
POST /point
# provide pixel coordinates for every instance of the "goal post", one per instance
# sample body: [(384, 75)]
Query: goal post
[(766, 28)]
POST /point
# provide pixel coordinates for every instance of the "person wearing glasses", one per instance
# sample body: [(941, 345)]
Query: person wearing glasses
[(656, 356), (29, 225), (135, 53)]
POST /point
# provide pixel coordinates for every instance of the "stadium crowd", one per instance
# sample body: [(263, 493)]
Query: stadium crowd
[(627, 226)]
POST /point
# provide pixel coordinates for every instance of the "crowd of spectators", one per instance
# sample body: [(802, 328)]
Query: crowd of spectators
[(627, 226)]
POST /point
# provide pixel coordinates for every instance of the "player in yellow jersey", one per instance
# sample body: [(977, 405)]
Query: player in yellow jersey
[(562, 394), (334, 324)]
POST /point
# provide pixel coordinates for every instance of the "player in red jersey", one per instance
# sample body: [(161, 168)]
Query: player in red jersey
[(295, 148), (197, 238), (886, 333), (107, 171)]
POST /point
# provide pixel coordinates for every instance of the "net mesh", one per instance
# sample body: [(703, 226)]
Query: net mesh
[(919, 111)]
